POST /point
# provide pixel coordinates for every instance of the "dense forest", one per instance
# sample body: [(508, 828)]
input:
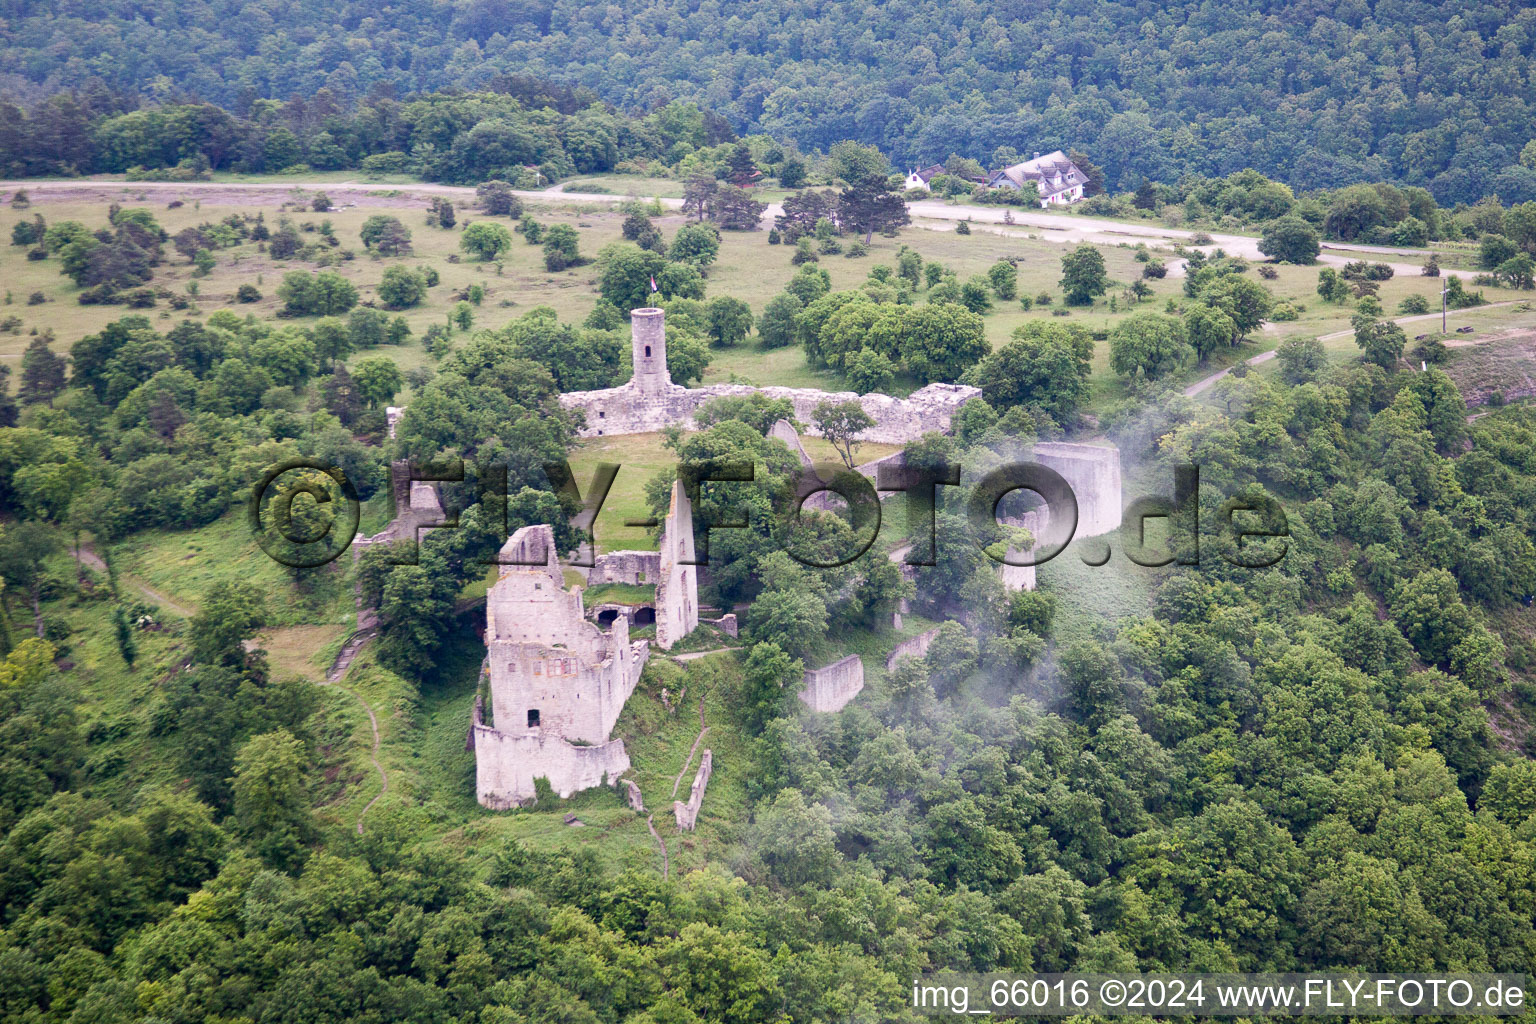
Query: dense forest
[(1311, 94)]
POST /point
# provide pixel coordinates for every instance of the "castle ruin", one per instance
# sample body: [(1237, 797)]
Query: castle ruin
[(557, 681), (677, 589), (649, 401)]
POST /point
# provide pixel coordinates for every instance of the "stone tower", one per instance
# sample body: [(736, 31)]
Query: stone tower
[(648, 339), (557, 681)]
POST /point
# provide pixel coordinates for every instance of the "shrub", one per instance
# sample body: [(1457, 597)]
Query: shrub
[(485, 241), (402, 288), (496, 199), (1413, 305), (386, 235), (247, 293), (36, 299), (560, 248)]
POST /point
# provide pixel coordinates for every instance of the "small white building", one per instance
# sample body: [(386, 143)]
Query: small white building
[(1058, 179), (922, 176)]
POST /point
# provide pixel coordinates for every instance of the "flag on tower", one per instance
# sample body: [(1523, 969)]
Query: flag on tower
[(653, 282)]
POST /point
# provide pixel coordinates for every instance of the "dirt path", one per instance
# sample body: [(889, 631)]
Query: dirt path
[(692, 655), (1264, 357), (338, 670), (650, 823), (691, 750), (92, 559)]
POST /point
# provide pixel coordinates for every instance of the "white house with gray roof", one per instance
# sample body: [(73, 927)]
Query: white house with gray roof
[(1059, 180)]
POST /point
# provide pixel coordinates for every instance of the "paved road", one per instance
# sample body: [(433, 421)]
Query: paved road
[(1050, 227)]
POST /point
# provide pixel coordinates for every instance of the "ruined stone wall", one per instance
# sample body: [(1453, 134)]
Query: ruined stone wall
[(677, 590), (832, 687), (557, 681), (1093, 471), (1022, 577), (687, 814), (505, 765), (913, 647), (633, 409), (416, 504), (636, 568), (785, 431)]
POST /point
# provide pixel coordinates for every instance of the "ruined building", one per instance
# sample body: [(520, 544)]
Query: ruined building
[(677, 589), (649, 400), (557, 681)]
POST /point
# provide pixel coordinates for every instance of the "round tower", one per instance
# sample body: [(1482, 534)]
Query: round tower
[(648, 338)]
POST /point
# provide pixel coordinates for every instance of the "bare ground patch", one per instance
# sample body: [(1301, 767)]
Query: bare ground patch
[(1503, 364)]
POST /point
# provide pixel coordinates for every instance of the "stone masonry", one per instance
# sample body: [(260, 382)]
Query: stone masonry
[(677, 589), (650, 401), (832, 687), (557, 681), (687, 814)]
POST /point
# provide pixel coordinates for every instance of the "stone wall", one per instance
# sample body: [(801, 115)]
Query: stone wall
[(650, 401), (1093, 471), (1022, 577), (785, 431), (677, 589), (636, 568), (912, 647), (687, 814), (416, 505), (506, 765), (630, 409), (832, 687)]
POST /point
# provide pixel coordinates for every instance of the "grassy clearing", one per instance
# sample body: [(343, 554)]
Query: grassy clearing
[(639, 457), (618, 593), (185, 564), (748, 268)]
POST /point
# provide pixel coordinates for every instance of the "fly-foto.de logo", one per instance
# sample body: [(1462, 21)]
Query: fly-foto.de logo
[(305, 513)]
